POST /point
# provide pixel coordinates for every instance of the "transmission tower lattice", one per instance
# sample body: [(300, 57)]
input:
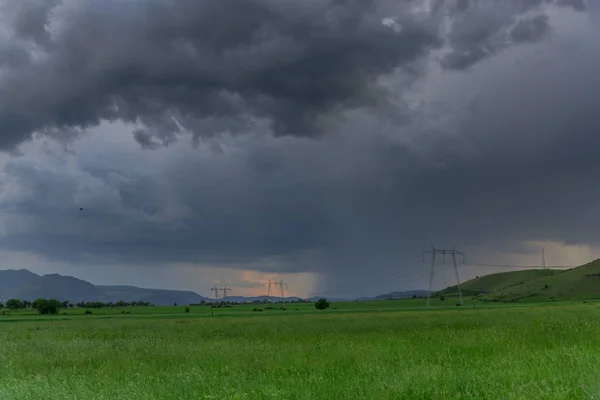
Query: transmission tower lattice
[(443, 252), (224, 289), (216, 290), (282, 285)]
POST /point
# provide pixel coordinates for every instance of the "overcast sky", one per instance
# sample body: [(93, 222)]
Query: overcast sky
[(181, 143)]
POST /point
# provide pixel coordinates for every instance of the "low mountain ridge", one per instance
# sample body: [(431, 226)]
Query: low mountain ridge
[(25, 285), (402, 294)]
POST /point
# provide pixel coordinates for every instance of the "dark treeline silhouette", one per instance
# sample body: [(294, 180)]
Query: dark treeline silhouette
[(51, 306), (121, 303), (262, 301)]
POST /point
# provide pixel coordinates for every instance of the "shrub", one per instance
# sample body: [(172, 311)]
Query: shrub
[(14, 304), (546, 286), (322, 304), (47, 306), (187, 309), (88, 312)]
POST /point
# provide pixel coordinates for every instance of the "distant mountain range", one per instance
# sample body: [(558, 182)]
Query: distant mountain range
[(406, 294), (26, 285)]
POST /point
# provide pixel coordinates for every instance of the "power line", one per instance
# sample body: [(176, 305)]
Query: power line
[(512, 266)]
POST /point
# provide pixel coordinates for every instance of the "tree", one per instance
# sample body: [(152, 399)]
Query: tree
[(47, 306), (322, 304), (14, 304)]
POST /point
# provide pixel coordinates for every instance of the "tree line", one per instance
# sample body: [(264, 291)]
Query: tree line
[(52, 306)]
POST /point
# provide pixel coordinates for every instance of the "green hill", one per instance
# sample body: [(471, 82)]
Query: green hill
[(499, 281), (576, 283), (534, 285)]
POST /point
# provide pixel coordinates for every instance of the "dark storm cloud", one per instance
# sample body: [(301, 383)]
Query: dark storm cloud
[(481, 29), (579, 5), (531, 29), (494, 153), (207, 67), (156, 60)]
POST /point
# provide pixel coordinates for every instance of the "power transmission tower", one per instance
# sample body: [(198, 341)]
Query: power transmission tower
[(453, 252), (224, 290), (543, 258), (269, 291), (216, 290), (281, 285)]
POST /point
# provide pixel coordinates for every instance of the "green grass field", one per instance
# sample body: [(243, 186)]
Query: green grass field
[(367, 350)]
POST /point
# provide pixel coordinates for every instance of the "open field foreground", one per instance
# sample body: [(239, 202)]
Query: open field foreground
[(501, 352)]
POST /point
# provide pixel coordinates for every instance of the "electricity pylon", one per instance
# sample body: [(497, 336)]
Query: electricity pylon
[(269, 291), (443, 253), (216, 290), (224, 290), (543, 258), (281, 284)]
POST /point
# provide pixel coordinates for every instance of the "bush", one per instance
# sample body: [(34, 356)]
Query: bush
[(14, 304), (187, 309), (47, 306), (322, 304), (88, 312)]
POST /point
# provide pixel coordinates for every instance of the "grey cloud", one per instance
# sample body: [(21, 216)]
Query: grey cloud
[(481, 29), (186, 67), (154, 61), (493, 157), (531, 29), (579, 5)]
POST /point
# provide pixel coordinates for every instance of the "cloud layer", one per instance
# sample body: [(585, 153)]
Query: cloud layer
[(337, 137)]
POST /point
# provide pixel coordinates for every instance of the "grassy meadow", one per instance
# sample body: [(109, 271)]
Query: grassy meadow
[(364, 350)]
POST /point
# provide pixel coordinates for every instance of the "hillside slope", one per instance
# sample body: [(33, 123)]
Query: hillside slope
[(500, 281), (576, 283)]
